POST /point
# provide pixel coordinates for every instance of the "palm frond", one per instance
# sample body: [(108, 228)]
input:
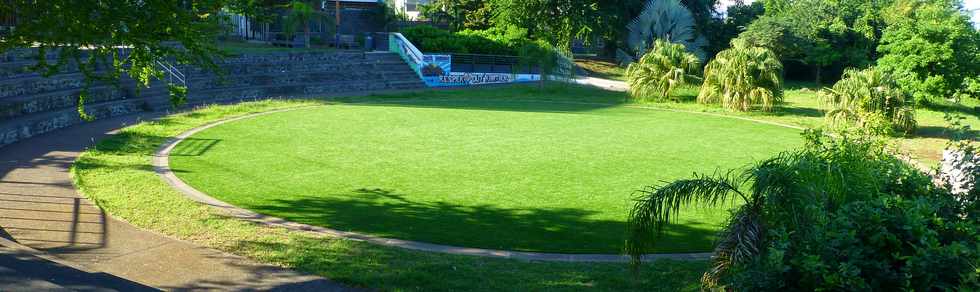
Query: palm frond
[(659, 72), (664, 20), (862, 97), (741, 240), (657, 206)]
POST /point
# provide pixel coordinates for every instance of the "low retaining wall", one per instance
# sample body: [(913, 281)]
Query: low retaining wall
[(31, 104)]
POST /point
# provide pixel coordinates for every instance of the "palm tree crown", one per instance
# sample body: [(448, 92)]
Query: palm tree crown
[(665, 67), (742, 77), (872, 99)]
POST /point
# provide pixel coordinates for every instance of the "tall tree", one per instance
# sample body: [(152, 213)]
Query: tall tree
[(557, 21), (931, 47)]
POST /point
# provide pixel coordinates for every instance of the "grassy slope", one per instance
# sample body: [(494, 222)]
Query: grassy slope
[(474, 171), (118, 176), (600, 68)]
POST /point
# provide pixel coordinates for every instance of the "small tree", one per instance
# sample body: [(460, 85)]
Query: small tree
[(743, 77), (664, 68), (299, 16), (873, 100)]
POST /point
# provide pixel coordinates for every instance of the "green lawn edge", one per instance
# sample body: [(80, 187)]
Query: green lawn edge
[(117, 175)]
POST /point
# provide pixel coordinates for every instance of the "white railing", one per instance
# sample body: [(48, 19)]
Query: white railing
[(399, 44), (173, 73)]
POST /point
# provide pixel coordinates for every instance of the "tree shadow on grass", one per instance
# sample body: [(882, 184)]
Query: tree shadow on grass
[(389, 214), (362, 264), (942, 132)]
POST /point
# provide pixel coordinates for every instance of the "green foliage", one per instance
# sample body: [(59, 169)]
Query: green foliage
[(813, 32), (510, 42), (298, 16), (931, 47), (885, 244), (873, 100), (556, 21), (178, 94), (720, 31), (839, 214), (743, 77), (667, 20), (460, 14), (89, 34), (665, 67)]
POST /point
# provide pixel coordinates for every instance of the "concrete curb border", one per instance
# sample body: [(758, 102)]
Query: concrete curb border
[(161, 165)]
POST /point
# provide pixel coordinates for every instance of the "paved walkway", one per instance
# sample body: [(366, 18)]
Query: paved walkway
[(606, 84), (40, 209)]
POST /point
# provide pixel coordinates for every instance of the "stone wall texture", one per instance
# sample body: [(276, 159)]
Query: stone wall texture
[(31, 104)]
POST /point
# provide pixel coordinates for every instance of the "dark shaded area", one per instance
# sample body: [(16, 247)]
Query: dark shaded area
[(23, 271), (798, 111), (954, 109), (388, 213), (942, 132), (394, 269)]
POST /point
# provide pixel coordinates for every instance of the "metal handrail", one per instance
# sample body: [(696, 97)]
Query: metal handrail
[(173, 73)]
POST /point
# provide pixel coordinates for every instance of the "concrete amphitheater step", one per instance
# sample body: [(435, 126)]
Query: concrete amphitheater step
[(42, 210)]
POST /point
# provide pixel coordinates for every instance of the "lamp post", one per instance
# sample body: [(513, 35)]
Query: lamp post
[(336, 40)]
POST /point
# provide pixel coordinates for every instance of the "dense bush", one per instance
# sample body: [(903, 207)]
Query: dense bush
[(840, 214)]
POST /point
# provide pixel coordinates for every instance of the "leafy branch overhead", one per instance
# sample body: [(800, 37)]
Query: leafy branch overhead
[(105, 39)]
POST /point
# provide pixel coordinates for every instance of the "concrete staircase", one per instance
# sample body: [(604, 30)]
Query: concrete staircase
[(31, 104)]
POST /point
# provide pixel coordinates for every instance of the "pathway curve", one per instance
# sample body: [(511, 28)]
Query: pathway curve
[(40, 209), (161, 164)]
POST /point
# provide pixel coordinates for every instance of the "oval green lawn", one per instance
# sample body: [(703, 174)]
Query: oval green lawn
[(501, 175)]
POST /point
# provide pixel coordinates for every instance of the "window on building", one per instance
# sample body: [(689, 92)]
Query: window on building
[(413, 5)]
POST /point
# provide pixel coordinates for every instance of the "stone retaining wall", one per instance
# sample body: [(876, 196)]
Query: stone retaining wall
[(31, 104)]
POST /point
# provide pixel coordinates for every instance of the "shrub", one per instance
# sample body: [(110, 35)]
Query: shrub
[(839, 214), (665, 67), (743, 77), (872, 100)]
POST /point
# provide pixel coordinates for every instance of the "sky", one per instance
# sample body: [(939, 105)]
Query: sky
[(971, 5)]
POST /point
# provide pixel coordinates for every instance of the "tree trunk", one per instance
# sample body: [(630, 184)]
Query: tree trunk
[(817, 77), (306, 33)]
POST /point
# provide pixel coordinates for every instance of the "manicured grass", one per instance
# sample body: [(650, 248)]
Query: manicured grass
[(500, 174), (118, 176)]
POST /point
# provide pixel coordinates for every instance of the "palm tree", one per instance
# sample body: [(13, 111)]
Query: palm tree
[(662, 19), (791, 192), (742, 77), (300, 14), (665, 67), (872, 99)]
